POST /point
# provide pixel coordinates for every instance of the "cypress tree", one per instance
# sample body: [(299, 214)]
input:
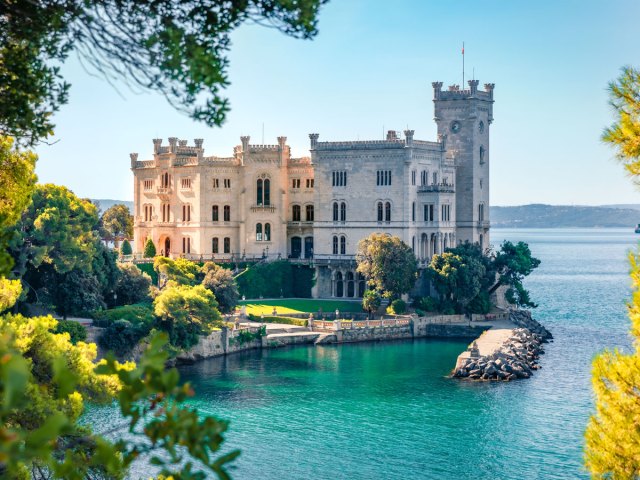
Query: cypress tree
[(125, 248), (149, 249)]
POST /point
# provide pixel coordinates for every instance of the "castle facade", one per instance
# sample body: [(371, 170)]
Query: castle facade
[(262, 203)]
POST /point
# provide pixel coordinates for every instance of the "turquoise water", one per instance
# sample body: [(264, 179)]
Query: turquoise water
[(387, 410)]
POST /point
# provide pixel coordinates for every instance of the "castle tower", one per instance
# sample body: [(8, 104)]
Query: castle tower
[(463, 118)]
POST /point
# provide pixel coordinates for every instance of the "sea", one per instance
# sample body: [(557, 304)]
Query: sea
[(389, 410)]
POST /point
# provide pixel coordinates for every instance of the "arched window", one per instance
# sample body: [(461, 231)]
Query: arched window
[(343, 245), (413, 211), (215, 247), (186, 213), (481, 155), (215, 213), (387, 212), (339, 285), (259, 192), (227, 213), (335, 245), (309, 213), (227, 245), (423, 179), (258, 232), (267, 232), (296, 213), (335, 211), (267, 192), (413, 244), (186, 245), (343, 212), (481, 212), (380, 211)]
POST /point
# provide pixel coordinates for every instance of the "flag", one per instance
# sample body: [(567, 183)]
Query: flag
[(463, 48)]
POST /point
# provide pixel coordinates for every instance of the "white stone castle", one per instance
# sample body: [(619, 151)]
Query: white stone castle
[(262, 203)]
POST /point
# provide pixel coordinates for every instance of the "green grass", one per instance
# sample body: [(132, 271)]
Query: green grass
[(300, 305)]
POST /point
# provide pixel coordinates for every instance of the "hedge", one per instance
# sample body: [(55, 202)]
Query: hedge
[(300, 322), (276, 279)]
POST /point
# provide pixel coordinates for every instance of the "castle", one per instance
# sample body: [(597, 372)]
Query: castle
[(262, 203)]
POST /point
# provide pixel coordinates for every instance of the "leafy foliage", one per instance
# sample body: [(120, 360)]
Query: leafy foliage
[(121, 336), (387, 263), (513, 262), (179, 50), (457, 279), (125, 248), (223, 286), (371, 301), (275, 279), (117, 223), (186, 312), (624, 133), (136, 314), (180, 271), (133, 285), (397, 307), (77, 332), (18, 180), (149, 249), (72, 293)]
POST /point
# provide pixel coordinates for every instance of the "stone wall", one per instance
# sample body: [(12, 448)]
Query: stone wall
[(374, 334)]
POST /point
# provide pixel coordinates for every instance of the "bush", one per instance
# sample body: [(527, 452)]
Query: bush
[(141, 314), (149, 249), (480, 304), (275, 279), (76, 330), (121, 336), (397, 307), (133, 285), (428, 304), (149, 270), (223, 286), (125, 248)]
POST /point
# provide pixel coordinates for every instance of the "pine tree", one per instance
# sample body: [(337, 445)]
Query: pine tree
[(149, 249), (125, 248)]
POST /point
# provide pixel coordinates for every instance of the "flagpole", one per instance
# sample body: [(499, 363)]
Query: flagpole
[(462, 65)]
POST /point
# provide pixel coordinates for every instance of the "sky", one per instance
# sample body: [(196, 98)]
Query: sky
[(370, 68)]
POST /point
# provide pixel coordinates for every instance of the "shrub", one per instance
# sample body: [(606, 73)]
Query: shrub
[(480, 304), (141, 314), (275, 279), (149, 249), (133, 285), (121, 336), (223, 286), (397, 307), (180, 271), (428, 304), (76, 330), (125, 248), (301, 322), (371, 301)]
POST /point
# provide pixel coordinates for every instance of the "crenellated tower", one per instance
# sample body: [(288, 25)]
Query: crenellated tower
[(463, 118)]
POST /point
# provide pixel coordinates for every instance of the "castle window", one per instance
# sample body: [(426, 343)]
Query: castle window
[(227, 245), (215, 247), (186, 213), (186, 245), (383, 177), (227, 213), (335, 211), (413, 244), (380, 211), (423, 177), (258, 232), (335, 245), (481, 155), (227, 183), (295, 183), (387, 212), (446, 210), (309, 209), (296, 213), (166, 212), (215, 213), (413, 177), (267, 232), (481, 212), (148, 184), (435, 178), (309, 182), (259, 191), (164, 180), (428, 213), (216, 183), (343, 212), (267, 192), (339, 178), (185, 183), (413, 212), (343, 245)]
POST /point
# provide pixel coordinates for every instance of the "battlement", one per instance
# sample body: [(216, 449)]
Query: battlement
[(455, 93)]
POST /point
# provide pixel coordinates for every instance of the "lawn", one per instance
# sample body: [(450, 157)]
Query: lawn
[(299, 305)]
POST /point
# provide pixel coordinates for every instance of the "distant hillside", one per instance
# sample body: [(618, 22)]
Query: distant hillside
[(552, 216), (105, 204)]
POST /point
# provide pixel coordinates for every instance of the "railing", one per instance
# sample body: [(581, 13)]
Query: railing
[(322, 259), (263, 208), (484, 224), (354, 324), (163, 190), (440, 187), (300, 224)]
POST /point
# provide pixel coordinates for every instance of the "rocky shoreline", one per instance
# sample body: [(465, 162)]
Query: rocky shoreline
[(516, 358)]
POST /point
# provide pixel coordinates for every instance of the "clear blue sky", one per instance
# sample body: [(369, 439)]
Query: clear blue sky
[(371, 66)]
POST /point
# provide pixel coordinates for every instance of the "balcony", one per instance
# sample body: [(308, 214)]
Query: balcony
[(300, 224), (484, 224), (438, 188), (164, 192), (263, 208)]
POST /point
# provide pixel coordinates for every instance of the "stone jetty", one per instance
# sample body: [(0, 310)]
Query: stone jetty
[(509, 350)]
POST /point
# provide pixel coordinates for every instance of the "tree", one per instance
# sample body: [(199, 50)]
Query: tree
[(125, 248), (624, 133), (612, 443), (387, 263), (371, 301), (117, 223), (457, 279), (180, 271), (149, 249), (513, 263), (18, 180), (133, 285), (221, 283), (185, 313), (179, 50), (72, 293)]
